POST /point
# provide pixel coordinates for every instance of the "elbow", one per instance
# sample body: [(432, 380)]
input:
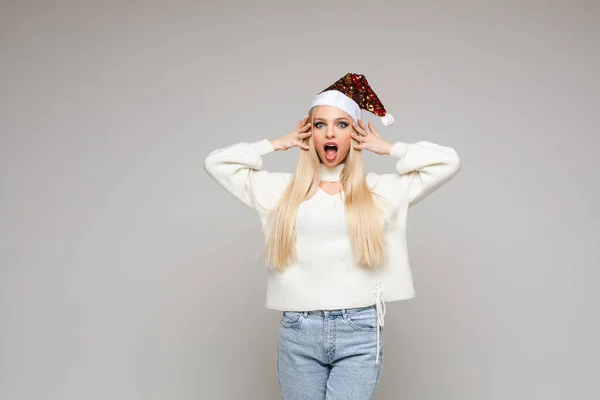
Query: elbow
[(456, 161), (453, 162), (211, 161), (209, 165)]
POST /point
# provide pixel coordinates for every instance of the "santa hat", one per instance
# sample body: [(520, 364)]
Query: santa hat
[(352, 93)]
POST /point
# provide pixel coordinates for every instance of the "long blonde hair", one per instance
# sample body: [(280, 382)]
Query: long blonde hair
[(363, 219)]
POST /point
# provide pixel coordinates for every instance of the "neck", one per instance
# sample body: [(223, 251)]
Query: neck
[(331, 174)]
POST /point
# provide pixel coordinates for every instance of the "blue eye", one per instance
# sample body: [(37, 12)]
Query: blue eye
[(343, 124)]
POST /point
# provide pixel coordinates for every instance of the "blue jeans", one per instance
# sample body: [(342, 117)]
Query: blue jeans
[(329, 354)]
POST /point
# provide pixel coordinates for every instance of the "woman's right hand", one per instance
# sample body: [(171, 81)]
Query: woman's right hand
[(295, 137)]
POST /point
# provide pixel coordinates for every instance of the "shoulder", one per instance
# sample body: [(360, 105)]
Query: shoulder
[(271, 181), (372, 178), (383, 183), (389, 187), (269, 186)]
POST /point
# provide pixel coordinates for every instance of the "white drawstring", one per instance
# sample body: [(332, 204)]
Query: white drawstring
[(380, 305), (380, 308)]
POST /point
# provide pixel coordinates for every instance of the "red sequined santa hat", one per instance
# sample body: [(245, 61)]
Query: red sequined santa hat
[(352, 93)]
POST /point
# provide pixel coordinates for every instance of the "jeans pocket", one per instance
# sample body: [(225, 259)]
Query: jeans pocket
[(363, 320), (290, 319)]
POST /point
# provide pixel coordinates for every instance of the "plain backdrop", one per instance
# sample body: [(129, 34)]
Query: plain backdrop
[(128, 273)]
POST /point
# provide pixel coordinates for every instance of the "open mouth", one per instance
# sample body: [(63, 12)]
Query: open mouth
[(331, 151)]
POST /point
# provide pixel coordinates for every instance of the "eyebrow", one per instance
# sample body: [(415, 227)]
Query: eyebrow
[(337, 119)]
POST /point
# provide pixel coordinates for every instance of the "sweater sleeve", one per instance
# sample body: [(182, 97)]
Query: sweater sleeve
[(238, 169), (422, 168)]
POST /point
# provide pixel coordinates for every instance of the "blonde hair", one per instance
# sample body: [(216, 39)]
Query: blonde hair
[(363, 219)]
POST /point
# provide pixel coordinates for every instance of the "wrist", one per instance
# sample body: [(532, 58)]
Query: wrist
[(276, 144), (387, 148), (399, 149)]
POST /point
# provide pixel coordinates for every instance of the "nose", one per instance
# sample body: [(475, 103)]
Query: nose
[(329, 132)]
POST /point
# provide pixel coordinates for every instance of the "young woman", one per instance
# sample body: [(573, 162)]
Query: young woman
[(335, 236)]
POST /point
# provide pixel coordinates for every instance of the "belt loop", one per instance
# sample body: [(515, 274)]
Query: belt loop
[(344, 313), (305, 314)]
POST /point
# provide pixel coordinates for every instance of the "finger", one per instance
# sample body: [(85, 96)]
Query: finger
[(358, 129), (301, 145), (303, 128), (372, 129), (362, 124), (305, 134), (365, 130), (357, 137), (358, 147)]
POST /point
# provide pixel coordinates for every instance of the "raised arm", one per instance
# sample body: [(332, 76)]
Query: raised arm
[(232, 167), (425, 167), (422, 168), (238, 168)]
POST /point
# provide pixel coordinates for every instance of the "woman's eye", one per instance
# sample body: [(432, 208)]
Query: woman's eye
[(340, 124)]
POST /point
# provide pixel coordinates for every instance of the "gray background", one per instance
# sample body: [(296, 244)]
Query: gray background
[(127, 273)]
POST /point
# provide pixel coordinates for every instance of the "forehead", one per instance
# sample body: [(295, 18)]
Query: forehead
[(330, 113)]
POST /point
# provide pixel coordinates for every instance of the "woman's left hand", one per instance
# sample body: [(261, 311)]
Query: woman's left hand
[(369, 139)]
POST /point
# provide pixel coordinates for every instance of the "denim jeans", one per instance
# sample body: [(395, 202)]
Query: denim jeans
[(329, 354)]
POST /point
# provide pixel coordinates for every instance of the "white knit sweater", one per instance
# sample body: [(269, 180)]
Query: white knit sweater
[(325, 275)]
